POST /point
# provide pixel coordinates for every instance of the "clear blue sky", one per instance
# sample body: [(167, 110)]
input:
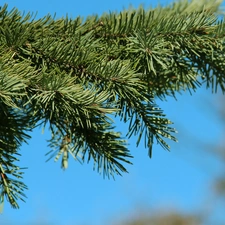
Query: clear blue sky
[(179, 179)]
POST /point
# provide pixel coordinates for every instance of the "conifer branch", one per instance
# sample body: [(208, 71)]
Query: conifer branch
[(75, 76)]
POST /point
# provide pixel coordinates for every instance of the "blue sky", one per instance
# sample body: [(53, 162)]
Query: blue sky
[(176, 180)]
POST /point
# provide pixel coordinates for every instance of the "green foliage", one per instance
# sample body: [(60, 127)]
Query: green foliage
[(74, 76)]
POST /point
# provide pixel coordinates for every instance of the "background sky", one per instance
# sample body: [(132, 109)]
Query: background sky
[(177, 180)]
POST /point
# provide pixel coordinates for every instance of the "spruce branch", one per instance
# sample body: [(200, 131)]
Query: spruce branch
[(74, 76)]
